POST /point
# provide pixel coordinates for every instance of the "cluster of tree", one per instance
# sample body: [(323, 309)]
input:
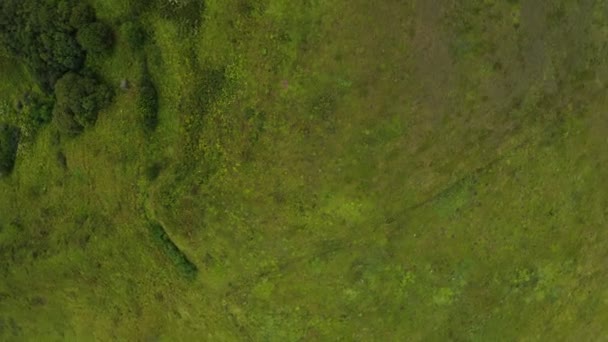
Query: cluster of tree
[(52, 38), (77, 100)]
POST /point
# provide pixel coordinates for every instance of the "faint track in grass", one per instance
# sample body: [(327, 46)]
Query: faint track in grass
[(469, 175), (338, 246)]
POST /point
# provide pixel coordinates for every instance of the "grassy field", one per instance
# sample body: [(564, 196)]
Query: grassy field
[(322, 170)]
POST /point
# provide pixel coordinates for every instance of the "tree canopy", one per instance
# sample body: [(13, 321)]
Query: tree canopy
[(78, 100), (95, 37), (51, 37)]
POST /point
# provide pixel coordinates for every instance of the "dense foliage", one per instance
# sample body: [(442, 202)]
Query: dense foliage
[(37, 108), (95, 37), (52, 38), (78, 99), (41, 35), (32, 110), (81, 15)]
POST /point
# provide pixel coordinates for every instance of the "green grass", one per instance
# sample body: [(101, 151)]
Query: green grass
[(322, 171)]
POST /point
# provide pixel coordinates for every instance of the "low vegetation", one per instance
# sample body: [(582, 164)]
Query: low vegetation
[(278, 170)]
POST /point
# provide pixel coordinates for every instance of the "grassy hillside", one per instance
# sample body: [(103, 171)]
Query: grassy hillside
[(319, 171)]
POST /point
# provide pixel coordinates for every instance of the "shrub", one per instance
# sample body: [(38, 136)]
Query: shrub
[(153, 171), (148, 103), (9, 141), (66, 123), (33, 111), (138, 7), (187, 14), (181, 261), (39, 109), (62, 160), (95, 37), (134, 34)]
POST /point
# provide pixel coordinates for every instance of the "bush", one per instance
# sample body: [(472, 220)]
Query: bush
[(9, 141), (39, 109), (138, 7), (181, 261), (134, 34), (187, 14), (153, 171), (95, 37), (33, 111), (78, 100), (148, 103), (66, 123), (62, 160)]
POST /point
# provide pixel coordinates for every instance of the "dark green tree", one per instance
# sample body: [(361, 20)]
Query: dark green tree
[(81, 14), (78, 99), (38, 34)]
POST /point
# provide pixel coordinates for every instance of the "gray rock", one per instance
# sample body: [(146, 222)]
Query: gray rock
[(124, 84)]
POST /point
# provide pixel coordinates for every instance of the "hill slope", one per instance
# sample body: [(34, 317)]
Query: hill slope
[(342, 170)]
